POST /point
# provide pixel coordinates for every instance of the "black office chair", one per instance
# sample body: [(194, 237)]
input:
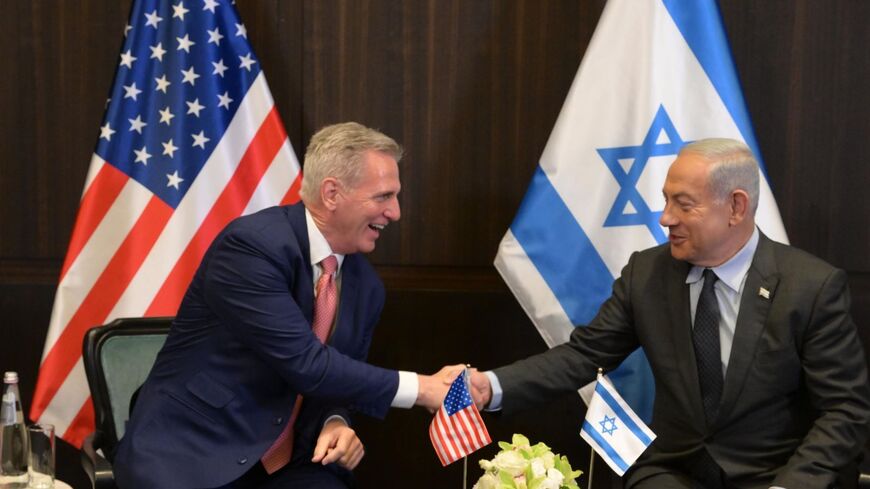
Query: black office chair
[(117, 358)]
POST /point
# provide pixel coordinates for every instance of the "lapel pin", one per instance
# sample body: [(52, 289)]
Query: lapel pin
[(764, 292)]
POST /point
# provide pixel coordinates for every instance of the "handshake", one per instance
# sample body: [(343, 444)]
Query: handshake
[(433, 388)]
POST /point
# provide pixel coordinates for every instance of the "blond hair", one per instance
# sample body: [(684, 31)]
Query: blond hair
[(336, 151)]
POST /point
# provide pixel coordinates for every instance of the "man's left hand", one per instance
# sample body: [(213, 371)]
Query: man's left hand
[(338, 443)]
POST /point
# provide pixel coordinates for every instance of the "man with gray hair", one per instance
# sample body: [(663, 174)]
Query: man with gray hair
[(761, 379), (266, 357)]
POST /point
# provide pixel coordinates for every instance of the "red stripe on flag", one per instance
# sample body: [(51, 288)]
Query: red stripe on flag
[(469, 437), (436, 442), (451, 436), (480, 428), (95, 204), (439, 431), (458, 431), (471, 430), (292, 195), (478, 433), (229, 205), (99, 302), (81, 426), (448, 439)]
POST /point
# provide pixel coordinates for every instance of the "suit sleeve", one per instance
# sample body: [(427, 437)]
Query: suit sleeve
[(835, 374), (605, 342), (247, 284)]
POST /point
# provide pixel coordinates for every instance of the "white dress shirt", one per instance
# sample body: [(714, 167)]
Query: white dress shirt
[(319, 249)]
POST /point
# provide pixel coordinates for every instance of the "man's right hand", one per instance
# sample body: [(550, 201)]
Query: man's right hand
[(481, 390), (433, 388)]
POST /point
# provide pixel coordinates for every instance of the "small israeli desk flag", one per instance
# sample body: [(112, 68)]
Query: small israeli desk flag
[(612, 429)]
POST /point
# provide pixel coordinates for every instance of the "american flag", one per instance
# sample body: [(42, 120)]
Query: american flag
[(190, 140), (457, 428)]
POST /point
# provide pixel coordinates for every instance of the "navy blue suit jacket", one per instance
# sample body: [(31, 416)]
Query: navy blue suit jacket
[(241, 349)]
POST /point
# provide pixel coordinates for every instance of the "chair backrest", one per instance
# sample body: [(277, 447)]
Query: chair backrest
[(117, 358)]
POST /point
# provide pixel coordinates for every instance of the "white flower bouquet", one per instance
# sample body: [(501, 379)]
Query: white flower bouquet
[(521, 466)]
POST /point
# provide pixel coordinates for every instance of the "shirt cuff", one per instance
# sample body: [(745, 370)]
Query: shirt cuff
[(335, 416), (409, 387), (495, 387)]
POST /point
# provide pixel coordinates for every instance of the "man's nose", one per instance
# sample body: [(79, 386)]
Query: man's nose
[(393, 211), (667, 218)]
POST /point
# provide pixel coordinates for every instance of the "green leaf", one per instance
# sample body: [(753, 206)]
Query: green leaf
[(520, 440)]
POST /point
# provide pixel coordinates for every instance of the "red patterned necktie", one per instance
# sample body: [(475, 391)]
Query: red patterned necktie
[(325, 304)]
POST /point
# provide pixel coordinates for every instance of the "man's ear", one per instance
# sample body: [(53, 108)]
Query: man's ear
[(329, 193), (739, 206)]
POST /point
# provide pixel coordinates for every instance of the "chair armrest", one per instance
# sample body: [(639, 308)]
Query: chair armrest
[(99, 469)]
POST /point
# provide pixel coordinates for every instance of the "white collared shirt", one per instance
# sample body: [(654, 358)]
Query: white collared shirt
[(729, 289), (319, 249)]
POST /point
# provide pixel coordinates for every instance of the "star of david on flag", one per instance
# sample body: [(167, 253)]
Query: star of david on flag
[(608, 425), (457, 428), (612, 429), (190, 140), (657, 74)]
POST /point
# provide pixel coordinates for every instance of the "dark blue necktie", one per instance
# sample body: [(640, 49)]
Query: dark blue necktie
[(705, 337)]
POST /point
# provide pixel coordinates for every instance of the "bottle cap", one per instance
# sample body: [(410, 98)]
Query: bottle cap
[(10, 378)]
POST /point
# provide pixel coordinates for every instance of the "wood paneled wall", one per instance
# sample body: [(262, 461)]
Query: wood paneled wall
[(471, 89)]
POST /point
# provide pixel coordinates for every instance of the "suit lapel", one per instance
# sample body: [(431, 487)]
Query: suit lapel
[(303, 288), (347, 299), (761, 280)]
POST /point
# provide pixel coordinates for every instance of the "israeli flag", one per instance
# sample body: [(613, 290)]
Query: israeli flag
[(611, 428), (657, 74)]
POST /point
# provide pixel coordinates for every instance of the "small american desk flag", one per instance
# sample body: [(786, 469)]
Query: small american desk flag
[(457, 428), (191, 139)]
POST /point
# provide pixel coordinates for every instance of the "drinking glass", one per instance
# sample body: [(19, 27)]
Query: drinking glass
[(40, 463)]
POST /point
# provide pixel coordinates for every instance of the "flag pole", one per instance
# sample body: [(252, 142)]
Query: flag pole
[(465, 458), (591, 466), (592, 450)]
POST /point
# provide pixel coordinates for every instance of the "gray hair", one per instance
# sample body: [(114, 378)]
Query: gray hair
[(336, 151), (732, 167)]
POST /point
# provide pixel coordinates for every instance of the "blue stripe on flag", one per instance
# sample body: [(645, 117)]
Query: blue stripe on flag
[(575, 272), (611, 453), (701, 25), (623, 416), (578, 277)]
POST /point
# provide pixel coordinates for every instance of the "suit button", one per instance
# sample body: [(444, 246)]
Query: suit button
[(279, 420), (243, 460)]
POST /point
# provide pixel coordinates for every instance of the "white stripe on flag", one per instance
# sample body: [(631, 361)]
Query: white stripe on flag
[(94, 168), (446, 436), (278, 178), (532, 292), (68, 400)]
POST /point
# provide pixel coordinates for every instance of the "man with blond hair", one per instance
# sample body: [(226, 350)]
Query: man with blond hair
[(266, 357)]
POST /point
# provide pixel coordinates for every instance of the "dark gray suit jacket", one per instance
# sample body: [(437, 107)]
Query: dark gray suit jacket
[(796, 401)]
